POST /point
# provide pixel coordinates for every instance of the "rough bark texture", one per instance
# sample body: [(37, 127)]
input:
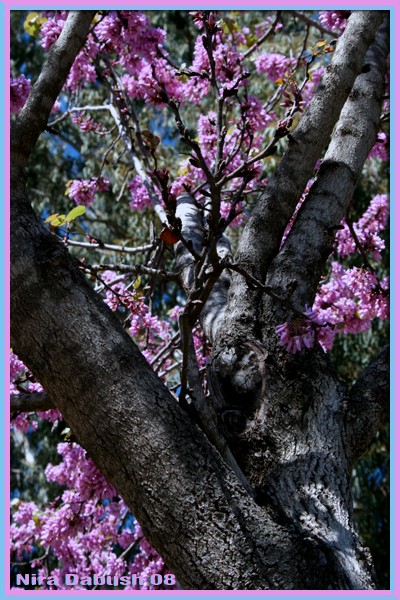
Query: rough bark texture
[(260, 241), (304, 254), (293, 429)]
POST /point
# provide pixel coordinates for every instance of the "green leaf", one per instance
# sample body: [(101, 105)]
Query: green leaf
[(67, 186), (51, 218), (57, 221), (33, 24), (75, 212)]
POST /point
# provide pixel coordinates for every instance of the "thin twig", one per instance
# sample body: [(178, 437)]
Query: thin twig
[(136, 270), (311, 22), (111, 247), (262, 39)]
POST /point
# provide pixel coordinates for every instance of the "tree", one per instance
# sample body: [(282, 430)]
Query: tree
[(241, 480)]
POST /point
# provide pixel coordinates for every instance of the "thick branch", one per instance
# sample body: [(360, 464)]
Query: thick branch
[(33, 118), (287, 184), (191, 506), (368, 405), (310, 240), (263, 233)]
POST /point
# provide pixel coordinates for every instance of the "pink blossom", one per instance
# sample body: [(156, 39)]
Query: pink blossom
[(19, 92), (381, 148), (51, 29), (83, 190), (367, 228), (350, 301), (86, 125), (256, 117), (274, 65), (334, 20), (140, 198), (24, 528), (299, 333)]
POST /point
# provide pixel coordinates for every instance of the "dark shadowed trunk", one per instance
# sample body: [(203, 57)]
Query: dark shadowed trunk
[(253, 491)]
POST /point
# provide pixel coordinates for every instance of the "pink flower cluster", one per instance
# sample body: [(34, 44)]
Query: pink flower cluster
[(88, 124), (50, 30), (256, 116), (152, 82), (299, 333), (140, 198), (274, 65), (86, 529), (19, 92), (150, 332), (82, 191), (352, 298), (349, 302), (22, 380), (334, 20), (128, 35), (228, 67), (367, 228)]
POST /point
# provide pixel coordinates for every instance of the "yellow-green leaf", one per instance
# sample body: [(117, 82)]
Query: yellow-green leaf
[(51, 217), (33, 23), (57, 221), (78, 211), (251, 39), (228, 25), (67, 186)]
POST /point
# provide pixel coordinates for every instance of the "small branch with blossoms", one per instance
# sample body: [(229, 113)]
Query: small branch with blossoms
[(264, 37), (361, 250)]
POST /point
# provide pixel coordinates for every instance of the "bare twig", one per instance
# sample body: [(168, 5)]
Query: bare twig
[(136, 270), (311, 22), (112, 247)]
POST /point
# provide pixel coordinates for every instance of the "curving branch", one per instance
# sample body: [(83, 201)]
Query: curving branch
[(309, 243), (368, 405)]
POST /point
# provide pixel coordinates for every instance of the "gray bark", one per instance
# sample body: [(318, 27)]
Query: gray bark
[(368, 405), (193, 230), (33, 402), (260, 242), (284, 417), (310, 241)]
